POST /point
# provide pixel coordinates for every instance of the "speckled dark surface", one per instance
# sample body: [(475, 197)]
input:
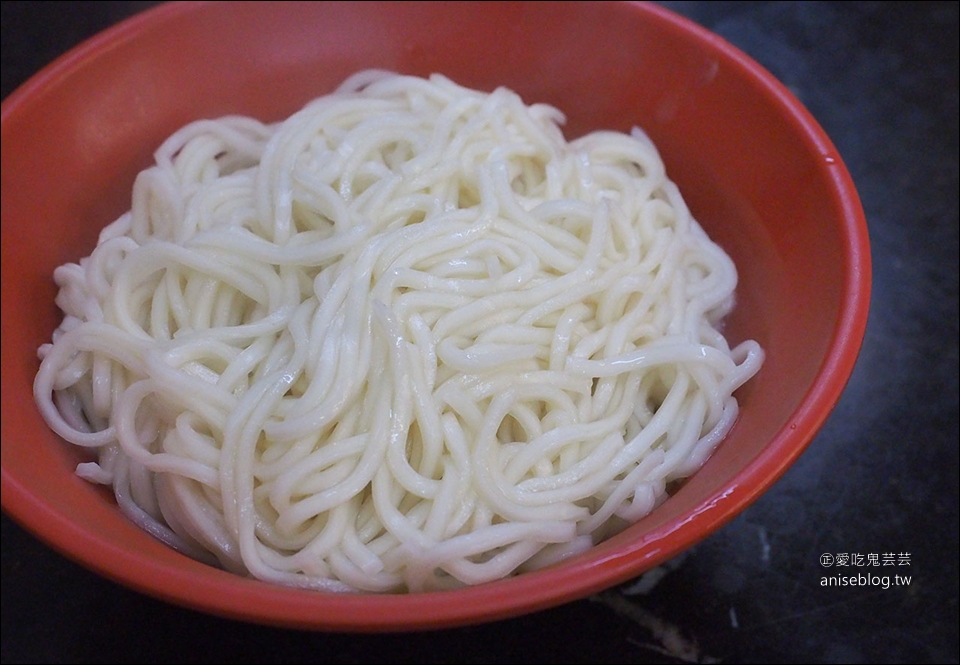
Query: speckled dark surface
[(881, 477)]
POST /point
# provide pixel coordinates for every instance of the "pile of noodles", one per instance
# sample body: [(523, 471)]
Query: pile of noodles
[(408, 339)]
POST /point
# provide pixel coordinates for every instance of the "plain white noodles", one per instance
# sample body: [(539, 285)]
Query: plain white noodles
[(408, 339)]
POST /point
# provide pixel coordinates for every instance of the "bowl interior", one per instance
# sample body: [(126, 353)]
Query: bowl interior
[(756, 170)]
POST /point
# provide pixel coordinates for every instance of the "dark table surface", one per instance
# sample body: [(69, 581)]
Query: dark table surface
[(881, 477)]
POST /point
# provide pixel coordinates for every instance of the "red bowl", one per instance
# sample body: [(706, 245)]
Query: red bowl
[(756, 169)]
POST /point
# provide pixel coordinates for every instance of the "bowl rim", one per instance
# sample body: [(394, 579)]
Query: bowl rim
[(255, 601)]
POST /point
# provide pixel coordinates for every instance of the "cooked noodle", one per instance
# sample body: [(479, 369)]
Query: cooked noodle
[(408, 339)]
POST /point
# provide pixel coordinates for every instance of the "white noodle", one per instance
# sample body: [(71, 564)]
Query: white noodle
[(408, 339)]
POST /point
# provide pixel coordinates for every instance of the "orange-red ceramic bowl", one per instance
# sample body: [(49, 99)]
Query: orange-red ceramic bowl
[(756, 169)]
